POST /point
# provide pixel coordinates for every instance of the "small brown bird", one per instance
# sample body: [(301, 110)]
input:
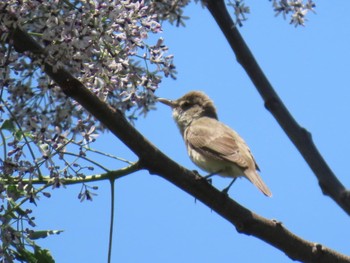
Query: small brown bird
[(211, 145)]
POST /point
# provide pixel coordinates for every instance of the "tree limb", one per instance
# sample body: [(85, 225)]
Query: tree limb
[(47, 180), (156, 162), (329, 183)]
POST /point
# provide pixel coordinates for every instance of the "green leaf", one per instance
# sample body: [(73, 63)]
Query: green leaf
[(8, 125), (43, 255), (39, 256), (25, 255), (44, 233), (18, 135)]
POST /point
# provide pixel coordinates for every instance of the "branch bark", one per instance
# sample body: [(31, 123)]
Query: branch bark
[(156, 162), (329, 183)]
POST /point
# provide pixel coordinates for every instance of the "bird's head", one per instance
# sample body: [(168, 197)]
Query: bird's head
[(190, 107)]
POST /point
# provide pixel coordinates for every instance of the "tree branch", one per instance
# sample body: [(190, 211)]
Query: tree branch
[(110, 175), (329, 183), (156, 162)]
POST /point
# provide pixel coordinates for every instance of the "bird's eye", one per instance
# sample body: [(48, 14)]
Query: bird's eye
[(185, 105)]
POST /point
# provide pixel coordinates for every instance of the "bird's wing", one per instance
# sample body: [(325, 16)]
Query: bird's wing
[(211, 137)]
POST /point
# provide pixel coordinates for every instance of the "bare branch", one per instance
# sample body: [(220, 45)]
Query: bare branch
[(110, 175), (329, 183), (156, 162)]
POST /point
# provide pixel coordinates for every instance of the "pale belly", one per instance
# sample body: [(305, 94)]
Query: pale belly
[(220, 167)]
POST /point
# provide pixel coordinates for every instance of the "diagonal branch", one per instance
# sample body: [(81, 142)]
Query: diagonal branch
[(156, 162), (329, 183)]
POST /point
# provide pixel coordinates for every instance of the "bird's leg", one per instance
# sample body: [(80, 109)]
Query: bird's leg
[(211, 174), (225, 190), (207, 177)]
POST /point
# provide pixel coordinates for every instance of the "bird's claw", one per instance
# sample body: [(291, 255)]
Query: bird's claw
[(199, 177), (225, 190)]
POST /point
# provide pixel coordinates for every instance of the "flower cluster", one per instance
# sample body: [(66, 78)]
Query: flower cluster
[(240, 11), (102, 43), (297, 8), (111, 47), (170, 10), (105, 44)]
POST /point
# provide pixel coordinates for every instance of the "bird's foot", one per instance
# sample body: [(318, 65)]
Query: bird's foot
[(206, 178), (211, 174), (226, 189)]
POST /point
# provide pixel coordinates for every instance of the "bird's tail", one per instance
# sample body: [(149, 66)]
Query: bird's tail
[(255, 178)]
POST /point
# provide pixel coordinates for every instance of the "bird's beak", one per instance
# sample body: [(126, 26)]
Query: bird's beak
[(170, 103)]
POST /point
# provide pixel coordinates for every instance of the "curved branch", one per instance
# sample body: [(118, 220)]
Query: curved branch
[(329, 183), (158, 163)]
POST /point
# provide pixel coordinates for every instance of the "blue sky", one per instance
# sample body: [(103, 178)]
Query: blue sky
[(157, 222)]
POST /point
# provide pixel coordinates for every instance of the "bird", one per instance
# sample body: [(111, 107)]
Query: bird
[(211, 145)]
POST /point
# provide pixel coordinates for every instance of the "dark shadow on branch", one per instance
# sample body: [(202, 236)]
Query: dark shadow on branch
[(156, 162), (329, 183)]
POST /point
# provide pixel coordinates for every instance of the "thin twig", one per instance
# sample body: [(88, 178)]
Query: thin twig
[(116, 174)]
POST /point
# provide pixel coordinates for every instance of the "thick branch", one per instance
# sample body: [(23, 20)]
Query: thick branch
[(329, 183), (156, 162)]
